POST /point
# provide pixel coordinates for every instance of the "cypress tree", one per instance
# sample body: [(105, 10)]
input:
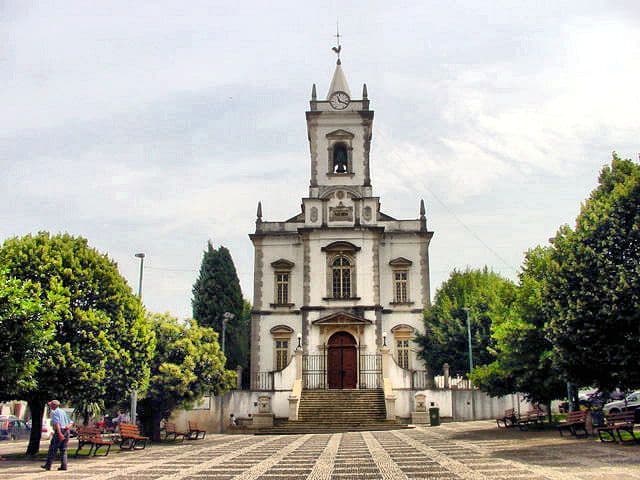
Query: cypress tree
[(216, 291)]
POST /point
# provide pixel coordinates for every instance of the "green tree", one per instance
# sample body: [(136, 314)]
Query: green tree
[(594, 296), (187, 364), (485, 294), (102, 342), (523, 355), (27, 323), (215, 292)]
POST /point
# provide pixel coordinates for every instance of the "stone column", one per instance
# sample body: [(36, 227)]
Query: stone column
[(445, 370)]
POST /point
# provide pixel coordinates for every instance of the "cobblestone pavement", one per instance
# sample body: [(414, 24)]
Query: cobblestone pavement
[(471, 450)]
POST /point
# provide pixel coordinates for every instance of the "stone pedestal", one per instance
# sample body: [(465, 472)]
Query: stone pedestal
[(262, 420), (419, 418)]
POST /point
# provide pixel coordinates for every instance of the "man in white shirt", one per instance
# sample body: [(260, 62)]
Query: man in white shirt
[(60, 439)]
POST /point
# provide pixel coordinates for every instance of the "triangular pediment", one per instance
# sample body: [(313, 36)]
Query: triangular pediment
[(400, 262), (340, 134), (282, 264), (342, 318)]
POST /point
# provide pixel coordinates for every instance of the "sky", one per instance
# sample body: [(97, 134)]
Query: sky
[(156, 126)]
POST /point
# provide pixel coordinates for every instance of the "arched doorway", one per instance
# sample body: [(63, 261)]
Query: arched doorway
[(342, 366)]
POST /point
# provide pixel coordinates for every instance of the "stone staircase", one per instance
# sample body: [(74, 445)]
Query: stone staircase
[(332, 411)]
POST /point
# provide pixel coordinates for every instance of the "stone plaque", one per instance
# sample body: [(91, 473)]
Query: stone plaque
[(341, 213), (314, 214), (366, 213)]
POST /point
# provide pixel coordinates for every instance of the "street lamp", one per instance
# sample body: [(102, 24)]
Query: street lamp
[(466, 311), (226, 316), (134, 393), (141, 257), (299, 341), (384, 339)]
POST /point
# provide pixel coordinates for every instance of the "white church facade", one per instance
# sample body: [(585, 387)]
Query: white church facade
[(340, 280)]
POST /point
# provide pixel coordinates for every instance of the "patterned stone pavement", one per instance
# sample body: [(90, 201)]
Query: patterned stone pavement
[(471, 450)]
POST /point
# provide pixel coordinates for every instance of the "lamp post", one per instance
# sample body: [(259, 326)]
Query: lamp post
[(384, 339), (134, 393), (466, 311), (299, 347), (473, 402), (226, 316)]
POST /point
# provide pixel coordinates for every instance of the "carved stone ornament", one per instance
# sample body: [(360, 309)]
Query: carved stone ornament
[(314, 214), (340, 194), (341, 213), (367, 213)]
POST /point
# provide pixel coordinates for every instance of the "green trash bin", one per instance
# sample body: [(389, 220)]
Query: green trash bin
[(434, 416)]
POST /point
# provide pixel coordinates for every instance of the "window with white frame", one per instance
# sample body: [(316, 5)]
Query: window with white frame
[(282, 283), (341, 274), (400, 268), (400, 294), (402, 352), (282, 353), (282, 288)]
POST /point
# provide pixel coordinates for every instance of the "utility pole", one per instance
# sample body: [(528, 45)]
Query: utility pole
[(473, 403)]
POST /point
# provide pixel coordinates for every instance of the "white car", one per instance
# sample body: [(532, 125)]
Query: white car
[(632, 402), (47, 429)]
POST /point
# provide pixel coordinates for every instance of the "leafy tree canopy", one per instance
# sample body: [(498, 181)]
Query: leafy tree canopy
[(523, 356), (594, 296), (98, 341), (188, 363), (217, 291), (485, 294)]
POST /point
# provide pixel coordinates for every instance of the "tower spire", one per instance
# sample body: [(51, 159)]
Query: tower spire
[(337, 48)]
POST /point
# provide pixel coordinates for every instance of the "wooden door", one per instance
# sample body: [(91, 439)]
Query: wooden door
[(342, 361)]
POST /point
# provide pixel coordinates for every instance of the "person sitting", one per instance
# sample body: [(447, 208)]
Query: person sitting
[(233, 420)]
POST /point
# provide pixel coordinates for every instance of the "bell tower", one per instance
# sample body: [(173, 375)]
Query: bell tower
[(339, 130)]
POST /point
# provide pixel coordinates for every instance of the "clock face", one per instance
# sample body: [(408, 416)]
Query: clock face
[(339, 100)]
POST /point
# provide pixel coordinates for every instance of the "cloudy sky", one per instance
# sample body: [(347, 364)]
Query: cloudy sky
[(155, 126)]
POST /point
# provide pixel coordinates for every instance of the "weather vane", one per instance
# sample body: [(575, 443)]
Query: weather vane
[(339, 47)]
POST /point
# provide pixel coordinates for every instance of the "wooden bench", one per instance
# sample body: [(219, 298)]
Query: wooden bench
[(535, 416), (616, 423), (130, 437), (92, 436), (170, 430), (508, 420), (574, 423), (195, 431)]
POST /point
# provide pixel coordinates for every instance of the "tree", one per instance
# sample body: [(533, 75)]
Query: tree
[(215, 292), (594, 296), (187, 364), (523, 355), (101, 343), (485, 294), (27, 323)]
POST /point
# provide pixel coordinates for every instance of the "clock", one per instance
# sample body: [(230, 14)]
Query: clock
[(339, 100)]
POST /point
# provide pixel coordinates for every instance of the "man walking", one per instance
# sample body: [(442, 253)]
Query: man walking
[(60, 439)]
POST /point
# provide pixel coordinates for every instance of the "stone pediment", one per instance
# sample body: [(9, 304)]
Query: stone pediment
[(282, 264), (400, 262), (342, 318), (340, 134), (340, 246)]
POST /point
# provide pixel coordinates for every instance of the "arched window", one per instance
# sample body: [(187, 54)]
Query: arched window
[(340, 159), (341, 268)]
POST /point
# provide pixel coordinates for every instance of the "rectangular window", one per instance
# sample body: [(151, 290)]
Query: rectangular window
[(402, 347), (282, 354), (282, 288), (400, 287)]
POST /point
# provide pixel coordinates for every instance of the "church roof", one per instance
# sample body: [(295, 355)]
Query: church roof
[(339, 81)]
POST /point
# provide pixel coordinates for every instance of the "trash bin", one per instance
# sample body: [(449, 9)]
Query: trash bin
[(434, 416)]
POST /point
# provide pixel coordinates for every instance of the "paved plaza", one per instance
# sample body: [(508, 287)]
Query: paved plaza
[(471, 450)]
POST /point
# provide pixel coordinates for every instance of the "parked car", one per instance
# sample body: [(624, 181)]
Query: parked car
[(12, 428), (630, 403), (47, 429)]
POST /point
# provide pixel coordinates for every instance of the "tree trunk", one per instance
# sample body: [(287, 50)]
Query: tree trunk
[(549, 412), (36, 406), (156, 419)]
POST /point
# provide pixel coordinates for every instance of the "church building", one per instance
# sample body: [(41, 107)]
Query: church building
[(341, 279)]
